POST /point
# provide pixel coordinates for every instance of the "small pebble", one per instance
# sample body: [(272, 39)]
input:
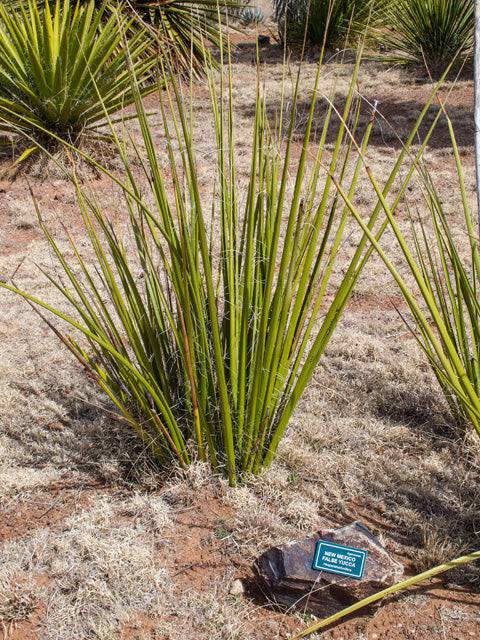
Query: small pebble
[(237, 588)]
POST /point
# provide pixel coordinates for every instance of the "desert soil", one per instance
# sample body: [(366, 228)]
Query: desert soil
[(96, 543)]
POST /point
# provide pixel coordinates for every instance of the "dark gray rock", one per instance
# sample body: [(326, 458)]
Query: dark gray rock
[(289, 579)]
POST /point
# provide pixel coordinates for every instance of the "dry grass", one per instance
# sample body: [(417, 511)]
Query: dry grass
[(372, 440)]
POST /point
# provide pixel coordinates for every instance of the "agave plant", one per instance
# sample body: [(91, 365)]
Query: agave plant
[(430, 33), (62, 69), (207, 354), (251, 16), (332, 23)]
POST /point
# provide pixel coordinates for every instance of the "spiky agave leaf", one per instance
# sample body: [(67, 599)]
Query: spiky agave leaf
[(63, 67), (429, 33)]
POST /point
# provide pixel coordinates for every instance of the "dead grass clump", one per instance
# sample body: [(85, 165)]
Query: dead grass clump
[(102, 565), (149, 511), (185, 482), (18, 599), (435, 548), (214, 616)]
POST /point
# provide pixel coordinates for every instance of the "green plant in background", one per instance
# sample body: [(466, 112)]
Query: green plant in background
[(207, 354), (251, 16), (183, 27), (63, 69), (429, 33), (329, 23)]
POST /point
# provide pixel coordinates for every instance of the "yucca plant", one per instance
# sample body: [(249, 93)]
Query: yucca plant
[(443, 299), (62, 69), (207, 354), (444, 303), (183, 27), (333, 23), (429, 33), (178, 28)]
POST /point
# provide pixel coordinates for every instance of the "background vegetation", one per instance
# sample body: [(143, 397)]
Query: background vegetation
[(322, 22), (428, 33), (423, 33), (64, 67)]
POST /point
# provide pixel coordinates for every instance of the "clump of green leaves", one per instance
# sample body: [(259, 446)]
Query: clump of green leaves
[(430, 33), (208, 351), (444, 305), (251, 16), (177, 28), (63, 68)]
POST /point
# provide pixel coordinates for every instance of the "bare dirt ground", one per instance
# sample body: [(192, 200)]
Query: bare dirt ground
[(95, 544)]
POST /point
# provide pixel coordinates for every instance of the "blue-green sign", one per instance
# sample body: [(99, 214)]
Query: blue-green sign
[(335, 558)]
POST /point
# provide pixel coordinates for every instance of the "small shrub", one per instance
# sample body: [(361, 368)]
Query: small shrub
[(329, 23), (251, 16), (429, 33), (63, 69)]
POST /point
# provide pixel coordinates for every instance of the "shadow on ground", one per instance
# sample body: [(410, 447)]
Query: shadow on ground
[(395, 119), (87, 440)]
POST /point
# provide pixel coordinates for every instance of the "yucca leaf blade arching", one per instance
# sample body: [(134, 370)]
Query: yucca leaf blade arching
[(441, 291), (212, 348), (429, 33), (63, 66)]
